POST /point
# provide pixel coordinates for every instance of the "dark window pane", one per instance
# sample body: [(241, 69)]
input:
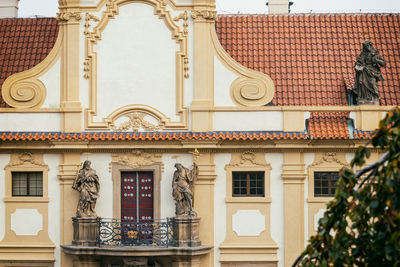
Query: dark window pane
[(243, 191), (248, 184), (27, 184), (235, 191)]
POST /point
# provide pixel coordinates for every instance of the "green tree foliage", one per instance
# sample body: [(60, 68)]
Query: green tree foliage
[(361, 226)]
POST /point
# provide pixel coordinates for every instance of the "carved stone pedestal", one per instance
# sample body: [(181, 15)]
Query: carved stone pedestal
[(85, 231), (186, 231)]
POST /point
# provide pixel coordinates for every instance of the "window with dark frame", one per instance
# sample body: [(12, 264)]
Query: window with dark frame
[(27, 184), (325, 183), (248, 184)]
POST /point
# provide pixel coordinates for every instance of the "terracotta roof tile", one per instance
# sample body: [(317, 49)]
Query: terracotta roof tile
[(336, 131), (24, 42), (313, 53), (328, 125)]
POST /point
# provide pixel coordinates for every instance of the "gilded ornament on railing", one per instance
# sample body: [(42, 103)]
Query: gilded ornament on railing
[(135, 123), (132, 234)]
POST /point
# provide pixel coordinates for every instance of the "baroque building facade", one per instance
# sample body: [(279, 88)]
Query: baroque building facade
[(259, 102)]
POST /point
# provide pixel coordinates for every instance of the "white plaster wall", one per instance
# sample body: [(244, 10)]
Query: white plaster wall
[(51, 80), (349, 157), (248, 121), (166, 201), (53, 161), (4, 160), (277, 212), (223, 78), (30, 122), (221, 160), (101, 164), (136, 62), (19, 218), (308, 160)]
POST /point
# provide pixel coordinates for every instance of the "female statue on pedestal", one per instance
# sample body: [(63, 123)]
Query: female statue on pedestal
[(87, 183)]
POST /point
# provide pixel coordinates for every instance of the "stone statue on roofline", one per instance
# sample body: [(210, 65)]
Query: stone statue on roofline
[(183, 189), (368, 74)]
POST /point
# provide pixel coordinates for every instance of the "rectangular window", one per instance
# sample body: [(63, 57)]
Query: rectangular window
[(27, 184), (248, 184), (325, 183)]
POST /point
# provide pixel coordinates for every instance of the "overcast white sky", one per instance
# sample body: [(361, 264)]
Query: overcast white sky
[(49, 8)]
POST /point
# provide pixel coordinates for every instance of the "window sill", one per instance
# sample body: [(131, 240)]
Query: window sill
[(248, 200), (26, 199)]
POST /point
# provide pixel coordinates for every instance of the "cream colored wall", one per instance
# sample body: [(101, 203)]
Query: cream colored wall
[(51, 80), (53, 161), (30, 122), (221, 160), (4, 160), (277, 212), (101, 164), (136, 62), (308, 160), (222, 82), (248, 121)]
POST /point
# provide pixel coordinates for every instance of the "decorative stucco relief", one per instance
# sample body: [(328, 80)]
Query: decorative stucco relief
[(26, 158), (204, 14), (24, 89), (67, 16), (137, 159), (329, 158), (248, 158), (93, 34), (137, 121), (251, 88)]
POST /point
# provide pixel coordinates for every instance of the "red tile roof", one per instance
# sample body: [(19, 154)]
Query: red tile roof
[(142, 136), (328, 125), (311, 57), (24, 43), (170, 136)]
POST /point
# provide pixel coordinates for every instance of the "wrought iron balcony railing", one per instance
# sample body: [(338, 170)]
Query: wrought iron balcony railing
[(115, 232)]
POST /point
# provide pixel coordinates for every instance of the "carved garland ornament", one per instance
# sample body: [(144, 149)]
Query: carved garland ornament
[(137, 159), (136, 122), (94, 35), (329, 157), (247, 158), (69, 16), (204, 14), (26, 157)]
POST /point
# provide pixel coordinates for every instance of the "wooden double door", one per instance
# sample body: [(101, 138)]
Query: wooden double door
[(137, 196)]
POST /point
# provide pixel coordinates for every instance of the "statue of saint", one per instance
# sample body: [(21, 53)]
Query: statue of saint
[(183, 189), (368, 73), (87, 183)]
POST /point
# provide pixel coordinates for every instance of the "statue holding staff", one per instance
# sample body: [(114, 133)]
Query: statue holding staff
[(183, 189)]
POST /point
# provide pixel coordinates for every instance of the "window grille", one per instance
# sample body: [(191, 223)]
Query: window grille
[(27, 184), (248, 184)]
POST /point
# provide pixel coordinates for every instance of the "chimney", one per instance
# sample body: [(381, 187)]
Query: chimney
[(9, 8), (279, 6)]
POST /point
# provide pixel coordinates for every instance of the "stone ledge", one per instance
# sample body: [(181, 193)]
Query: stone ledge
[(136, 251)]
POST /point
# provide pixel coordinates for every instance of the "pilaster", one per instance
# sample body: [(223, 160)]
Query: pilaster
[(204, 16), (204, 203), (68, 199), (293, 175), (69, 20)]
